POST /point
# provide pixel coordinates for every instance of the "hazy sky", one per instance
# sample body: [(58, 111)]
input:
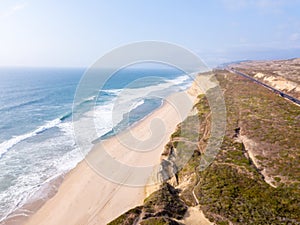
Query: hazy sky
[(77, 32)]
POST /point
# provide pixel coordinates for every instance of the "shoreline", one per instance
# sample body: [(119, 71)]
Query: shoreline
[(38, 198), (64, 204)]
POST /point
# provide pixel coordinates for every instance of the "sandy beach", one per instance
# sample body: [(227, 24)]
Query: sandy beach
[(87, 197)]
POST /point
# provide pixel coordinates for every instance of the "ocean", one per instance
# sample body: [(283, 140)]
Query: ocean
[(37, 141)]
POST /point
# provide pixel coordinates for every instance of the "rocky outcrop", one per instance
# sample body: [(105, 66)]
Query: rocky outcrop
[(161, 207)]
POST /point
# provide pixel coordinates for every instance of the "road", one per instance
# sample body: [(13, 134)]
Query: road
[(284, 95)]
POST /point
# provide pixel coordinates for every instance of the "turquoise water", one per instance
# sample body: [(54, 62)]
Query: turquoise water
[(36, 132)]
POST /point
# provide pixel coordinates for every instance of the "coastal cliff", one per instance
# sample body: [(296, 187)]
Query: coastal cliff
[(254, 179)]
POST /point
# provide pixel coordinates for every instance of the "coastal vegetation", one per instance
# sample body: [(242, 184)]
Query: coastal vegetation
[(161, 207), (255, 178)]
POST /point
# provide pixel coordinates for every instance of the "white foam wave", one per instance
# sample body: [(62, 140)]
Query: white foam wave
[(106, 117), (69, 160), (134, 105), (92, 98), (113, 91), (103, 118), (67, 128), (180, 80), (6, 145)]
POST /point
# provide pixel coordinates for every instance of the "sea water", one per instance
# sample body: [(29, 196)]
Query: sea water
[(37, 140)]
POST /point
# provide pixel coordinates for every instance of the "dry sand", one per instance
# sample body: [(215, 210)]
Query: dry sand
[(85, 197), (195, 216)]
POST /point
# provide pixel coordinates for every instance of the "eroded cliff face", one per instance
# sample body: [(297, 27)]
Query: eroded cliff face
[(161, 207), (283, 75), (255, 177)]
